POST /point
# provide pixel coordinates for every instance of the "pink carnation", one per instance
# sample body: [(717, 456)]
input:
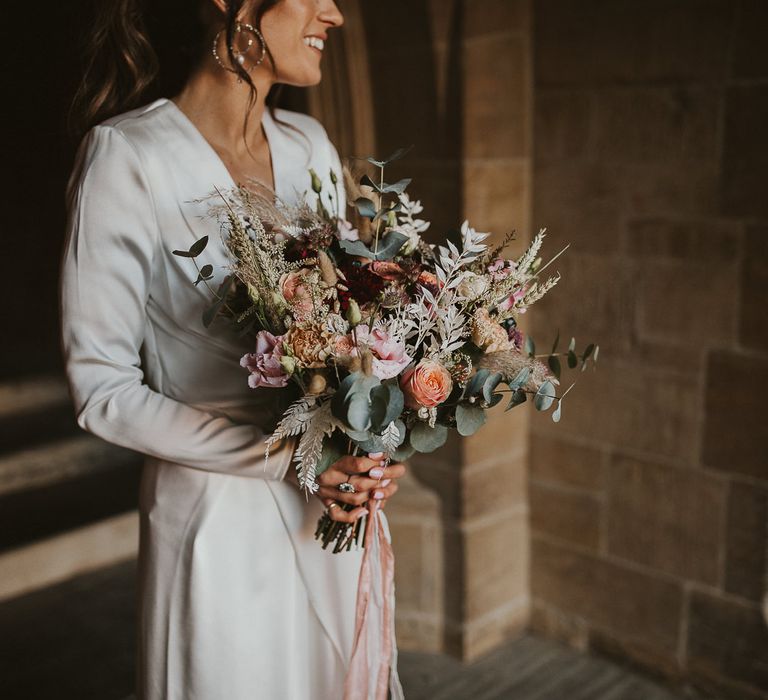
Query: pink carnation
[(264, 364), (389, 355)]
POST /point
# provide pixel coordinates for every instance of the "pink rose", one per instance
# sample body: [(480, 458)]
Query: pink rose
[(428, 384), (389, 355), (296, 292), (264, 364)]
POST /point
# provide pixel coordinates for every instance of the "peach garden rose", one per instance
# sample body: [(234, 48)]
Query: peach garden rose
[(428, 384)]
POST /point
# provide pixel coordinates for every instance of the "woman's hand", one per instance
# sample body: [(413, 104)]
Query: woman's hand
[(369, 476)]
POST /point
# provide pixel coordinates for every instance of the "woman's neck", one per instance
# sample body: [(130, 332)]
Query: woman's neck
[(217, 104)]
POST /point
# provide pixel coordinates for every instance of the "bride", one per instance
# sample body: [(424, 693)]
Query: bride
[(237, 600)]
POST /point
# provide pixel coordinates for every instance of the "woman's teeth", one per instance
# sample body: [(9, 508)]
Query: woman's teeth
[(315, 41)]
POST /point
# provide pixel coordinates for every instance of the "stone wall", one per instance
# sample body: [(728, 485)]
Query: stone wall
[(649, 499), (463, 97)]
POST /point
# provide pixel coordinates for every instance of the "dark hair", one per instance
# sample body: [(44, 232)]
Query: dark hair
[(128, 57)]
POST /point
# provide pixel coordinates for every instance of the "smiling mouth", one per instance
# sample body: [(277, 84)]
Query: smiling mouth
[(314, 42)]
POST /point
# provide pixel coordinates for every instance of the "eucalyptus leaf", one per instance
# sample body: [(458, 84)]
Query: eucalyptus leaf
[(554, 364), (374, 443), (426, 439), (397, 187), (573, 361), (495, 399), (389, 246), (387, 402), (359, 411), (544, 396), (206, 270), (469, 419), (572, 345), (587, 352), (198, 247), (365, 207), (475, 385), (558, 412), (490, 384), (518, 398), (521, 378), (402, 453), (366, 181), (330, 454)]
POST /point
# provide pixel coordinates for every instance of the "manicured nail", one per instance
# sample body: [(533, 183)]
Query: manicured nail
[(383, 463), (378, 495), (360, 514), (385, 482), (376, 473), (375, 455)]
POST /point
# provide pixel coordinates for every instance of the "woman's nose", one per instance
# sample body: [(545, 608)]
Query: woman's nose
[(331, 14)]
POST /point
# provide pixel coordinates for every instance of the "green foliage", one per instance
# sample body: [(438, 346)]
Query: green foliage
[(194, 250), (426, 439), (469, 418), (389, 246)]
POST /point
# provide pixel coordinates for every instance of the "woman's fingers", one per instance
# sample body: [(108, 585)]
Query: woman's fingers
[(340, 515), (354, 499), (385, 491)]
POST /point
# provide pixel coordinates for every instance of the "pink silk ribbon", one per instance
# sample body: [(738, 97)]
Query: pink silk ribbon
[(373, 665)]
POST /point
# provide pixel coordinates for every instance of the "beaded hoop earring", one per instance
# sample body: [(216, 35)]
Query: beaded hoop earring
[(240, 55)]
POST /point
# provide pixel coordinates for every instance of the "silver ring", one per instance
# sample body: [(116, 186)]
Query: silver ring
[(347, 487)]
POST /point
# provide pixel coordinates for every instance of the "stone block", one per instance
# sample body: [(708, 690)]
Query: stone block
[(580, 203), (495, 486), (753, 329), (673, 189), (745, 151), (696, 241), (750, 49), (630, 605), (651, 124), (746, 541), (593, 301), (482, 636), (496, 563), (409, 541), (566, 515), (554, 460), (560, 625), (497, 97), (563, 121), (418, 633), (727, 641), (620, 41), (687, 304), (497, 197), (667, 518), (483, 17), (640, 408), (734, 420), (504, 435)]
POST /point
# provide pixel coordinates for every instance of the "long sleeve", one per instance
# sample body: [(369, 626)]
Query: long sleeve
[(106, 273)]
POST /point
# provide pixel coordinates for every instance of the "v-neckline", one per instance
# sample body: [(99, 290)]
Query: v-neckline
[(269, 134)]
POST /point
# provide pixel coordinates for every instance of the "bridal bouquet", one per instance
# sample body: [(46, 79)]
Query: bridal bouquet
[(386, 342)]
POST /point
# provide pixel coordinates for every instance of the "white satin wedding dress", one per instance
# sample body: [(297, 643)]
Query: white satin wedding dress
[(237, 600)]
